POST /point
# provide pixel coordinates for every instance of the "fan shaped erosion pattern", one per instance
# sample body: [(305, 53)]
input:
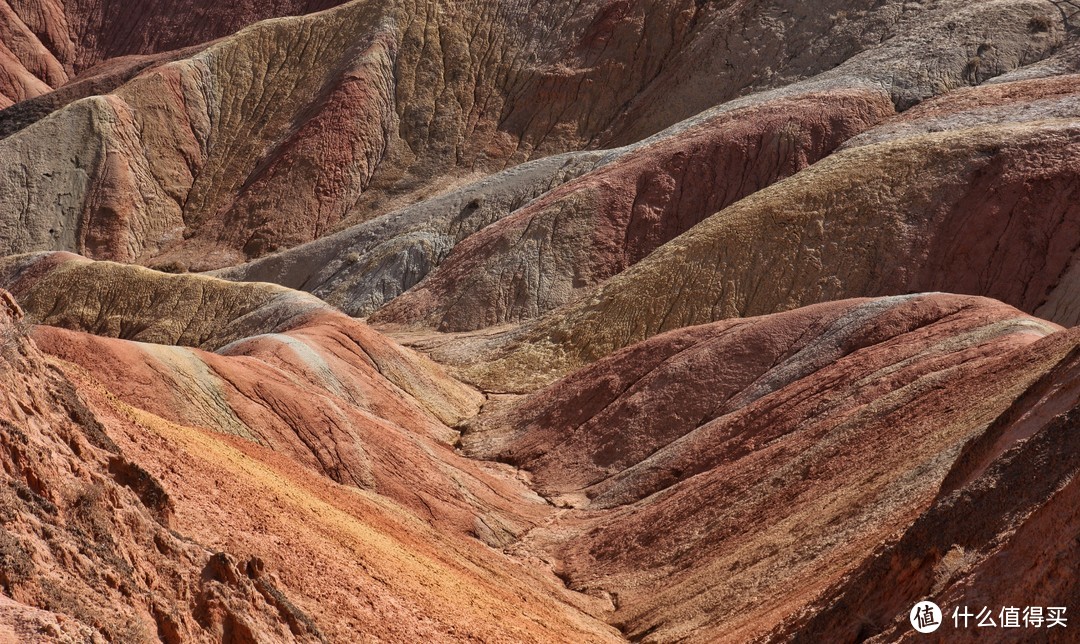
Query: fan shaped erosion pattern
[(606, 321)]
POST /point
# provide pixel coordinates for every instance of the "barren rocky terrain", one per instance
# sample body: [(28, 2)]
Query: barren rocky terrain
[(615, 320)]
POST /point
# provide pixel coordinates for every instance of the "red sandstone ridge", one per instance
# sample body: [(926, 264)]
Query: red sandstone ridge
[(607, 321), (764, 454), (47, 44), (89, 536)]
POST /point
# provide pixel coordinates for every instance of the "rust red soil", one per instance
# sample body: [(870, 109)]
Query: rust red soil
[(605, 321)]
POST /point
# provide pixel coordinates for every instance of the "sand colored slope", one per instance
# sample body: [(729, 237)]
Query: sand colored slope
[(363, 564), (134, 303)]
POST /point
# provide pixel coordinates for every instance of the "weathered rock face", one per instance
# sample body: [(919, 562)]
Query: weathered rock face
[(611, 385), (363, 267), (287, 130), (723, 476), (596, 226), (171, 151), (88, 534)]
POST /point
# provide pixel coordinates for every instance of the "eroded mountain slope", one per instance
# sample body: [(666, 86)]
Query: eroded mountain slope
[(983, 541), (724, 476), (774, 415), (89, 536), (248, 444), (956, 196), (49, 43), (291, 128), (509, 271), (618, 238)]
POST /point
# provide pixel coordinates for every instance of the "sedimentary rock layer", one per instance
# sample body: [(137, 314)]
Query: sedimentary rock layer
[(620, 320), (725, 476), (984, 210), (292, 128), (247, 443)]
